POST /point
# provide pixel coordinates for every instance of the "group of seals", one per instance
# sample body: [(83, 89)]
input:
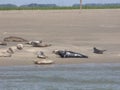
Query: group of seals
[(40, 54), (71, 54), (11, 50)]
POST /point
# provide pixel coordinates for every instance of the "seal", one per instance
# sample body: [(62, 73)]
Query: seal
[(98, 51), (69, 54)]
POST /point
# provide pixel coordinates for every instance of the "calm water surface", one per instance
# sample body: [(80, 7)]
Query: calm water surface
[(61, 77)]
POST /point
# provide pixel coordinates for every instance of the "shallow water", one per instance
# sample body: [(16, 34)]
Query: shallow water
[(61, 77)]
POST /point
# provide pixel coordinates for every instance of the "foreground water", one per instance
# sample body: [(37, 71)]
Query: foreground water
[(61, 77)]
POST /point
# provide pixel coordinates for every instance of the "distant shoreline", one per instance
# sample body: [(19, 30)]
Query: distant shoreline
[(55, 7)]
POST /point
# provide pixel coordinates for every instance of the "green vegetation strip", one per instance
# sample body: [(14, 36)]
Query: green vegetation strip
[(60, 8)]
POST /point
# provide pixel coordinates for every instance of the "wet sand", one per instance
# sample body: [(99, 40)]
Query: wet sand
[(65, 30)]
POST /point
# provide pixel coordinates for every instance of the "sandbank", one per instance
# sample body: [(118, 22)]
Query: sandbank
[(74, 30)]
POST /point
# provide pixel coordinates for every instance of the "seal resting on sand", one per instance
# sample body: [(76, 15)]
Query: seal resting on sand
[(5, 54), (14, 39), (69, 54), (31, 42), (43, 62), (97, 51), (41, 54), (40, 44), (11, 50), (3, 43), (19, 46)]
